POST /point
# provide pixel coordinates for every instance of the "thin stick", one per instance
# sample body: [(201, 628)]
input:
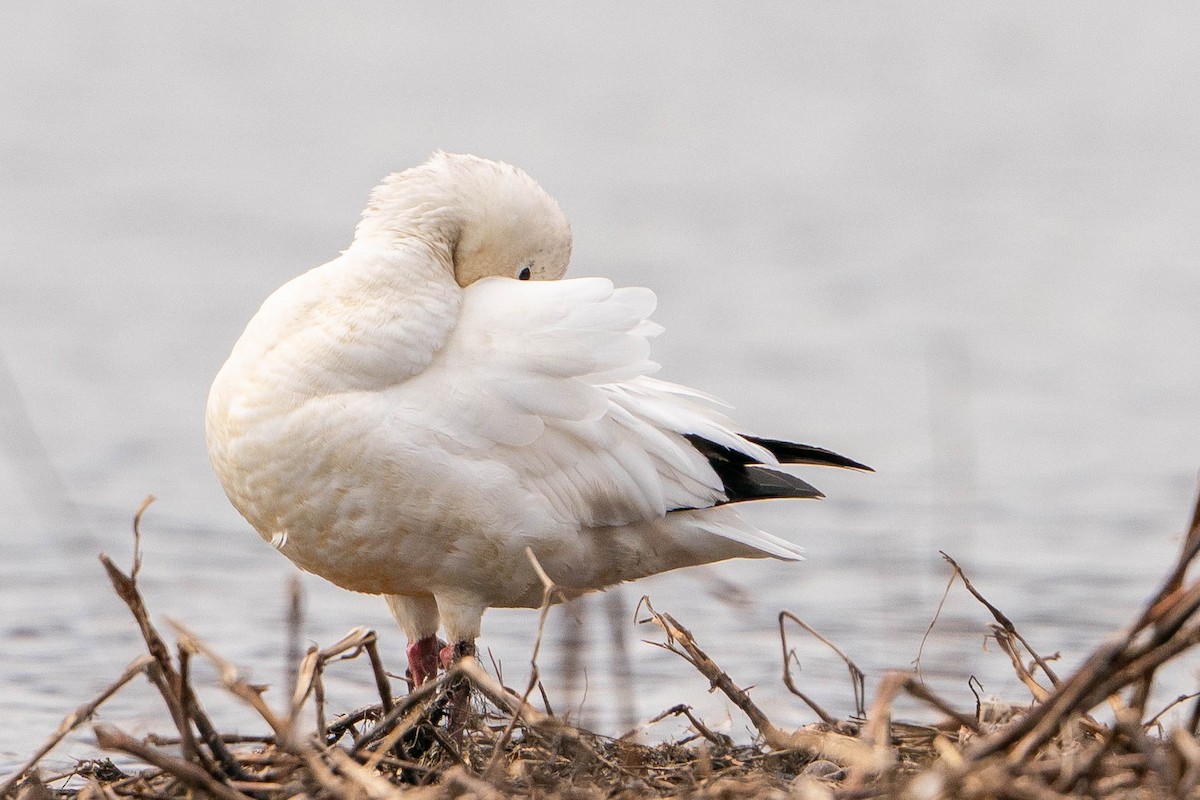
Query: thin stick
[(857, 676), (346, 722), (348, 646), (381, 678), (407, 723), (677, 634), (1188, 553), (549, 590), (936, 615), (169, 684), (922, 692), (414, 699), (303, 680), (232, 680), (188, 747), (719, 739), (319, 698), (1123, 659), (1004, 621), (1004, 638), (137, 537), (1036, 727), (174, 704), (75, 719), (545, 699), (110, 738), (309, 676), (470, 667), (837, 747)]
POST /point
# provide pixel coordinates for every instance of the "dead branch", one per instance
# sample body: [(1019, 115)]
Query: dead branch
[(163, 673), (857, 677), (110, 738), (836, 747), (549, 591), (1002, 619)]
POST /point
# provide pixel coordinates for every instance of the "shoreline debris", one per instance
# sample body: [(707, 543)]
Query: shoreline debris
[(1049, 747)]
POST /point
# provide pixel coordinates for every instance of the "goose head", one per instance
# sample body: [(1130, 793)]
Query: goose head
[(491, 218)]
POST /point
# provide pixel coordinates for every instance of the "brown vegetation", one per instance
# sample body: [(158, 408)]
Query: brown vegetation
[(1050, 748)]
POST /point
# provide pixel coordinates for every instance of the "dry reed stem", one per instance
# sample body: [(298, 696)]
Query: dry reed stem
[(719, 739), (549, 590), (393, 736), (312, 752), (373, 785), (416, 700), (857, 678), (470, 667), (920, 691), (1183, 698), (836, 747), (1052, 751), (381, 679), (110, 738), (329, 773), (1005, 639), (929, 629), (302, 685), (308, 678), (163, 673), (1166, 628), (76, 718), (1002, 619), (232, 680)]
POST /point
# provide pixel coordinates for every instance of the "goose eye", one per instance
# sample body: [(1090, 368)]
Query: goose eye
[(524, 274)]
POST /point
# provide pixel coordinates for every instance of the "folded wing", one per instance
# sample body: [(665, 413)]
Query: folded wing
[(551, 379)]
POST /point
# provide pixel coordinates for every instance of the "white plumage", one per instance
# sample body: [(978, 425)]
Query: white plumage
[(406, 419)]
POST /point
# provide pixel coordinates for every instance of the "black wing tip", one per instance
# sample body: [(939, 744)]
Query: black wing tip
[(752, 482), (796, 453), (743, 479)]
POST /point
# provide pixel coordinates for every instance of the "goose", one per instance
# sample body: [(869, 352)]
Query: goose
[(412, 417)]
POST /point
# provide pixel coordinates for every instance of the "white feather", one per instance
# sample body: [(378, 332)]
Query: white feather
[(408, 418)]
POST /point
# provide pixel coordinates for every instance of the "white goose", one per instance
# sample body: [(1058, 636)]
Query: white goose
[(407, 419)]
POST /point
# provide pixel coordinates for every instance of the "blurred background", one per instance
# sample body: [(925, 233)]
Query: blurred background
[(957, 242)]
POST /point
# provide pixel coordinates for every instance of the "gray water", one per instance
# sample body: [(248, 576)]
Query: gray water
[(957, 242)]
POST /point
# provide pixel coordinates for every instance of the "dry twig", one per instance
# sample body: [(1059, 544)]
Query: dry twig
[(836, 747), (73, 720), (857, 678)]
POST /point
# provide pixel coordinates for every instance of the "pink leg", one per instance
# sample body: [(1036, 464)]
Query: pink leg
[(423, 659), (459, 692), (453, 652)]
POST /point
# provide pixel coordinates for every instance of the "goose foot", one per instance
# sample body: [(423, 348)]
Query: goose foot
[(459, 692), (423, 657)]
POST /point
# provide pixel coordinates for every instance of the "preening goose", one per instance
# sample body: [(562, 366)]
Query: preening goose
[(408, 418)]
